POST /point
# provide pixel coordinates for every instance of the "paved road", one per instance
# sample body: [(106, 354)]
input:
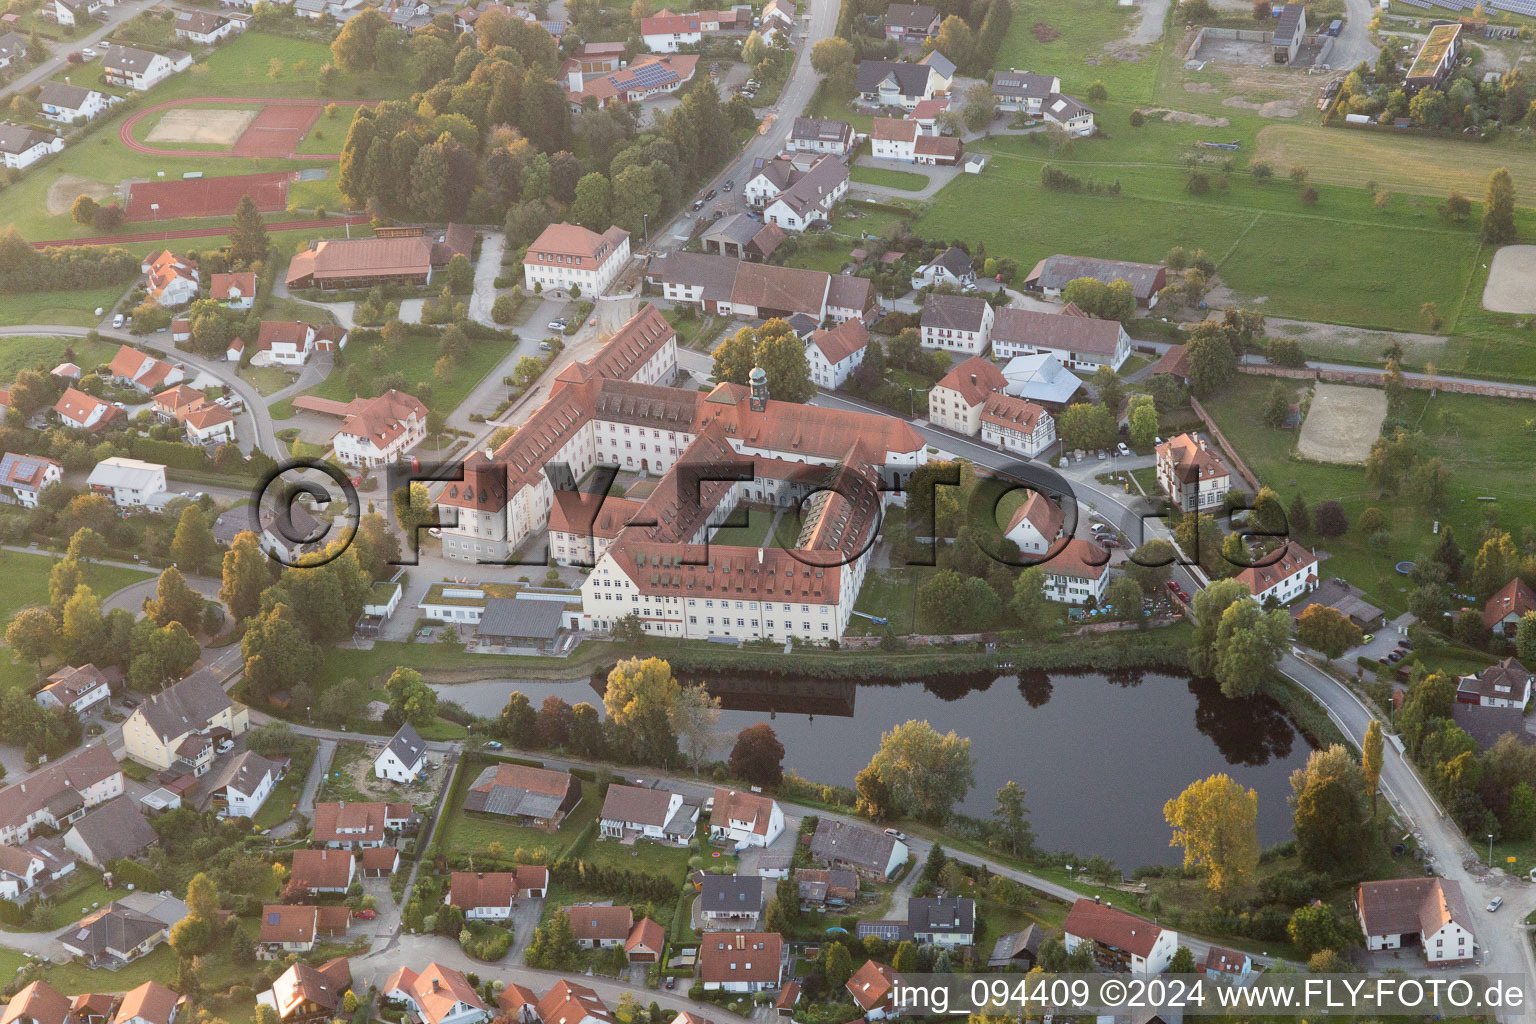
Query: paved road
[(115, 16), (1353, 44)]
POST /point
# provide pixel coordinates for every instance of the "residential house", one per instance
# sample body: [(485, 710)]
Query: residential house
[(778, 15), (870, 852), (768, 180), (1436, 59), (894, 138), (848, 298), (833, 355), (114, 935), (568, 256), (30, 865), (115, 830), (645, 942), (13, 47), (308, 995), (1076, 573), (1023, 91), (872, 987), (403, 758), (951, 268), (1120, 941), (438, 995), (92, 1008), (948, 921), (242, 783), (70, 104), (1287, 572), (331, 263), (600, 925), (1054, 273), (171, 281), (237, 291), (1069, 114), (59, 794), (956, 401), (1021, 949), (631, 812), (211, 424), (1501, 613), (23, 477), (819, 135), (490, 895), (819, 886), (85, 412), (1291, 32), (1505, 685), (1399, 911), (284, 532), (1079, 341), (75, 12), (1041, 378), (741, 961), (601, 58), (725, 286), (1016, 425), (127, 482), (942, 70), (905, 22), (774, 864), (38, 1003), (204, 27), (141, 371), (666, 32), (885, 83), (1035, 525), (140, 69), (150, 1003), (565, 1003), (1191, 475), (380, 430), (180, 725), (297, 929), (811, 198), (21, 147), (78, 688), (957, 323), (324, 870), (745, 819), (731, 901), (535, 796), (284, 343), (649, 75), (1227, 965), (358, 826)]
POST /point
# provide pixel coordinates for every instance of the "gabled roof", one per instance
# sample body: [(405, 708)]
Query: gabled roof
[(1514, 598), (321, 986), (221, 286), (637, 804), (911, 17), (846, 290), (435, 991), (1076, 334), (296, 925), (322, 869), (66, 97), (340, 258), (185, 707), (871, 984), (78, 772), (941, 64), (517, 789), (569, 1003), (1191, 459), (1056, 271), (1293, 558), (1406, 906), (893, 129), (955, 313), (1080, 559), (817, 129), (243, 772), (737, 805), (1112, 927), (955, 914), (812, 190), (25, 472), (1507, 680), (910, 79), (115, 830), (468, 890), (407, 746), (852, 844), (601, 922), (646, 935), (1043, 514), (582, 249), (842, 341), (740, 956), (726, 894), (151, 1002), (974, 379), (112, 928), (39, 1003)]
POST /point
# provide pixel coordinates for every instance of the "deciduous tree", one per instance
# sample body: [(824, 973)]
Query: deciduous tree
[(1327, 630), (32, 634), (1215, 822), (194, 547), (1328, 800), (925, 772), (1249, 642), (1012, 816), (1499, 208), (758, 756)]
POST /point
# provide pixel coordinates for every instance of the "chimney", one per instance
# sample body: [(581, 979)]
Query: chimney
[(973, 379)]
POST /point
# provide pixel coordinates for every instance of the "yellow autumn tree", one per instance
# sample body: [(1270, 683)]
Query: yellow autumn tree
[(1215, 821)]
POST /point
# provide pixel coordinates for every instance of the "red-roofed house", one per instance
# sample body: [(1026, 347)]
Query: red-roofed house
[(438, 995), (135, 369), (1017, 425), (649, 75), (1283, 578), (567, 256), (323, 870), (956, 401), (1505, 685), (871, 987), (582, 525), (237, 291), (741, 961), (569, 1003), (380, 430), (358, 825), (172, 280), (283, 343), (1503, 611), (666, 32), (1121, 941), (835, 354), (1431, 910), (304, 994), (85, 412), (745, 818), (1075, 573), (297, 929), (212, 424), (1190, 473), (643, 946), (1036, 524)]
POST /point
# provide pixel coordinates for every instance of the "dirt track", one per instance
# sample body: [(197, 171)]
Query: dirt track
[(1511, 286), (1341, 423), (284, 138)]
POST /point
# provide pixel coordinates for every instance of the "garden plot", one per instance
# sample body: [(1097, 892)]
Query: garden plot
[(1341, 423)]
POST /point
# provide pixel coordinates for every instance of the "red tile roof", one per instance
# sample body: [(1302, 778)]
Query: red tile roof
[(222, 285), (871, 984), (740, 956), (1111, 927), (974, 380), (1078, 558), (1514, 598), (322, 869), (599, 923), (842, 341), (583, 249), (1293, 558), (1043, 513), (468, 890), (646, 936)]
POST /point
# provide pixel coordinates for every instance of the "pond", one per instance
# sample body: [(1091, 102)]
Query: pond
[(1098, 754)]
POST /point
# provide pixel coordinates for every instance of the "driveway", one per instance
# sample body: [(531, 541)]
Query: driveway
[(937, 177), (492, 245)]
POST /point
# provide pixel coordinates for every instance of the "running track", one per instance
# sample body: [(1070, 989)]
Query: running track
[(156, 236), (125, 130)]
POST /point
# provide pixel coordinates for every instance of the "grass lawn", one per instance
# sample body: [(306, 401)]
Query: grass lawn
[(266, 379), (1471, 434), (70, 308), (695, 332), (464, 833), (29, 580), (337, 784), (750, 535), (285, 795), (886, 594), (45, 353), (1077, 34), (647, 857), (244, 67), (158, 966), (414, 358), (86, 894), (329, 133), (907, 181)]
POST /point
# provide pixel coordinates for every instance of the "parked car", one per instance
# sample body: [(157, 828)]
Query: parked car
[(671, 982), (1102, 454), (557, 324), (896, 833), (544, 346), (1368, 638), (698, 204), (129, 702), (365, 914), (728, 185), (710, 195), (117, 321), (1495, 903), (493, 745), (1123, 448), (88, 53)]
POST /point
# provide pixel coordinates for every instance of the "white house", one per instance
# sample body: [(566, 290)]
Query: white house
[(893, 138), (1505, 685), (872, 853), (1076, 573), (210, 424), (1036, 524), (884, 83), (948, 921), (957, 323), (667, 32), (489, 895), (403, 758), (204, 27), (636, 812), (1120, 941), (1079, 341), (243, 782), (1289, 572), (1430, 910), (237, 291), (284, 343), (951, 267), (380, 430), (22, 478), (741, 961), (1016, 425), (568, 256), (78, 689), (873, 984), (170, 279), (438, 995), (77, 409), (59, 794), (747, 819), (771, 179), (13, 47), (25, 867), (21, 147), (70, 104), (1191, 475), (127, 481), (75, 12), (140, 69), (834, 355), (819, 135), (809, 200)]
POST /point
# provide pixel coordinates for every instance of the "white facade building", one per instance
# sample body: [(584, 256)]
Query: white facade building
[(568, 256), (127, 482), (403, 758)]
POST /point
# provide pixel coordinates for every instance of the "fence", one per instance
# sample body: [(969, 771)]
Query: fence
[(1226, 448), (1373, 378)]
